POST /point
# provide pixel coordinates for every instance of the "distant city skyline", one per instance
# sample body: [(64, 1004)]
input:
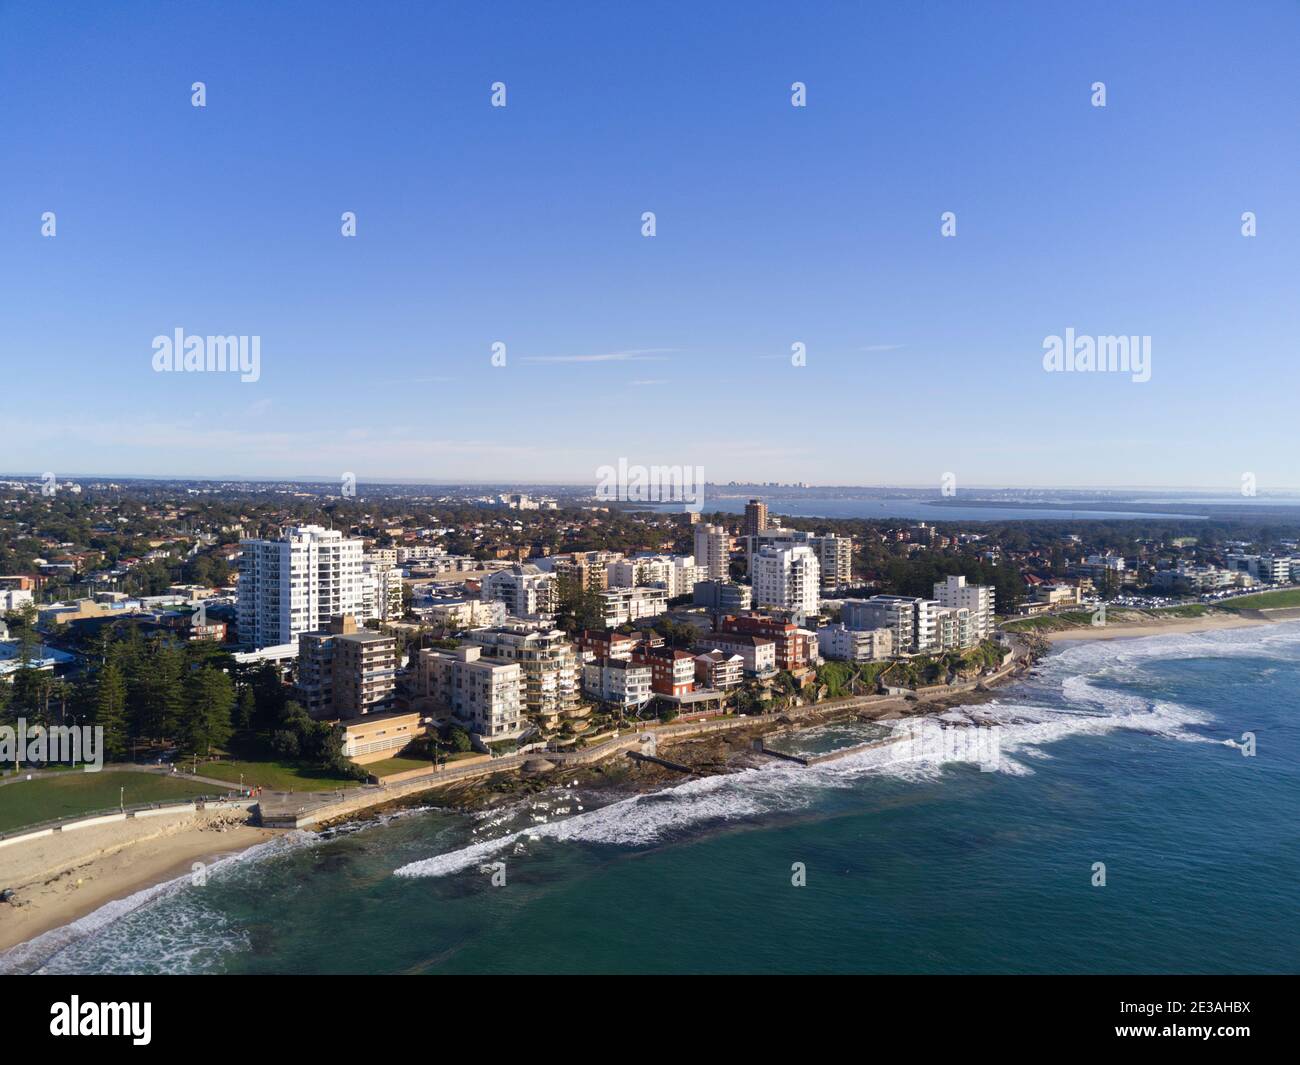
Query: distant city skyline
[(775, 226)]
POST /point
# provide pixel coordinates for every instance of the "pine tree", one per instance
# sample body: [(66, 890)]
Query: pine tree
[(210, 699), (110, 710)]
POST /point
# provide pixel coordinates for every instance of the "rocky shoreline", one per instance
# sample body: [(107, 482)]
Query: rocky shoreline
[(710, 754)]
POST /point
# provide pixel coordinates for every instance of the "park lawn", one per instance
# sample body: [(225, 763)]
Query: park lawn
[(276, 776), (27, 801), (399, 764), (1286, 597), (1187, 610), (1071, 619)]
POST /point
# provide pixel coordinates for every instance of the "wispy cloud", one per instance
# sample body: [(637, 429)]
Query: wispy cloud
[(639, 384), (641, 355), (883, 347)]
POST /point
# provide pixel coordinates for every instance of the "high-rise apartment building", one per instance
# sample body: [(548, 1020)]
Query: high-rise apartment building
[(712, 551), (787, 577), (297, 583), (755, 518)]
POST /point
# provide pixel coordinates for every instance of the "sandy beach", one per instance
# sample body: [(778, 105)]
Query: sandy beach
[(60, 878), (1131, 630)]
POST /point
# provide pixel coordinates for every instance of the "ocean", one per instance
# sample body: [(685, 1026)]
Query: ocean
[(1126, 754)]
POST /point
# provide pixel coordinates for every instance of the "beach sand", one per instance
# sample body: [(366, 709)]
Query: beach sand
[(60, 878), (1125, 631)]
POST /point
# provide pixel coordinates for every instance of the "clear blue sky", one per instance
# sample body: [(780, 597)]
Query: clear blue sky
[(775, 225)]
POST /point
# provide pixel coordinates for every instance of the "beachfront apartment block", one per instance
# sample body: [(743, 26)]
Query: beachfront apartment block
[(757, 653), (787, 577), (345, 672), (672, 672), (297, 583), (525, 589), (713, 552), (618, 682), (718, 670), (843, 644), (549, 663), (365, 673), (485, 694), (979, 599), (795, 646), (1267, 569), (954, 629), (621, 606), (909, 619)]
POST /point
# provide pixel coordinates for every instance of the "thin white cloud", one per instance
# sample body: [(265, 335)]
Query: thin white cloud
[(883, 347), (641, 355)]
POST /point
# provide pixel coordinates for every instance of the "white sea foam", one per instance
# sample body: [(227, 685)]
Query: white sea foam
[(168, 946), (1076, 699)]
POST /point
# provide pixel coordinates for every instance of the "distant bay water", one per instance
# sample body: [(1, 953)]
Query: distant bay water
[(920, 510), (1125, 753)]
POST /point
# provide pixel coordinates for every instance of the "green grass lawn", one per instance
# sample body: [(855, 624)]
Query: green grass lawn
[(1286, 597), (28, 801), (398, 764), (1071, 619), (275, 776)]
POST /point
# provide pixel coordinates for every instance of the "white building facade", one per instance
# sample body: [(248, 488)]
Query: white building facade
[(788, 578), (296, 584)]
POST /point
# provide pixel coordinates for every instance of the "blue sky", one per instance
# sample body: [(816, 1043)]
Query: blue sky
[(775, 225)]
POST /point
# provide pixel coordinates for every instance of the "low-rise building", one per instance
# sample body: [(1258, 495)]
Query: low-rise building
[(378, 736), (843, 644), (719, 670), (796, 647), (757, 653), (672, 672)]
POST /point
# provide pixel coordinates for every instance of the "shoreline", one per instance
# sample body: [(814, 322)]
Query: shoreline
[(60, 879), (118, 861), (1137, 629)]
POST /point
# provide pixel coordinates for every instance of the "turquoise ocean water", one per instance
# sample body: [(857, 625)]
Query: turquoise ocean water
[(1125, 753)]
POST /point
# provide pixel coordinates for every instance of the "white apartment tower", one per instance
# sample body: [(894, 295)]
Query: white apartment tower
[(977, 598), (787, 577), (712, 551), (296, 584)]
